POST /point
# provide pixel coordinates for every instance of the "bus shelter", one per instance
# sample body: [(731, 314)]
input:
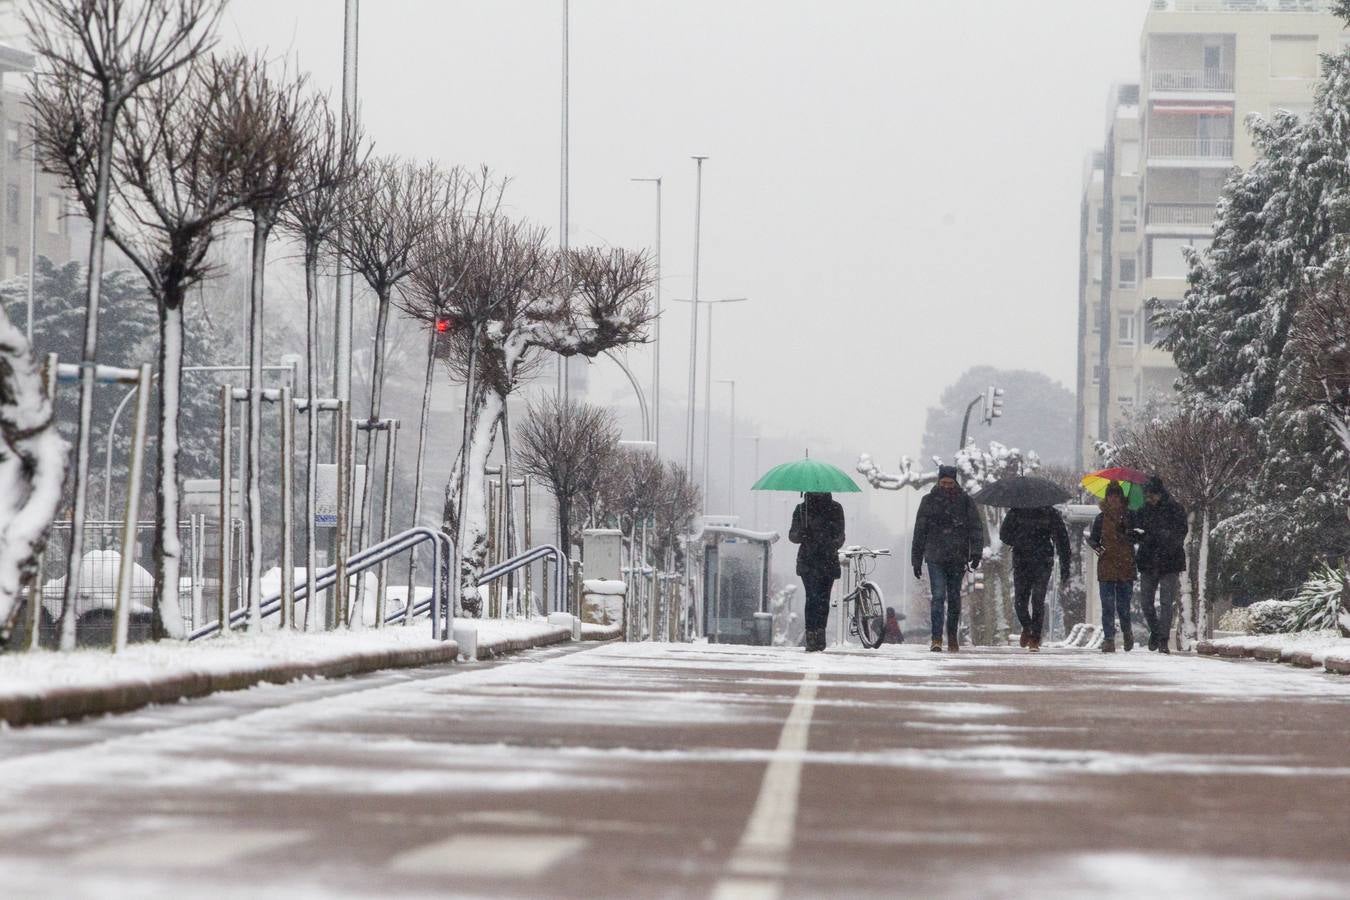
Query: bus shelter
[(735, 582)]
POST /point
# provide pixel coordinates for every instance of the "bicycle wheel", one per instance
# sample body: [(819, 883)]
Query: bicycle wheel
[(867, 615)]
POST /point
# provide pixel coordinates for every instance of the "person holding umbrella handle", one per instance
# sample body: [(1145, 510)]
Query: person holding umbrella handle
[(948, 535)]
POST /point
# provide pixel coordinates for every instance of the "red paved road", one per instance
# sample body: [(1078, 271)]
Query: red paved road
[(694, 771)]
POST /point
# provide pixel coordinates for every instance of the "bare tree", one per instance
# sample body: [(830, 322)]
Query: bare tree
[(96, 55), (571, 448), (276, 119), (175, 163), (32, 468), (1203, 458), (323, 177)]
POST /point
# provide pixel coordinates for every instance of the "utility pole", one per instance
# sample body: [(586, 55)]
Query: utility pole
[(731, 451), (656, 336), (564, 178), (342, 337), (693, 323)]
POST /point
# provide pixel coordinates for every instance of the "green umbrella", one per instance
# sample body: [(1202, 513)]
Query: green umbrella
[(807, 476)]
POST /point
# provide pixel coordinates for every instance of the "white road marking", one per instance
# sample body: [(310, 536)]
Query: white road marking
[(489, 856), (761, 857), (186, 848)]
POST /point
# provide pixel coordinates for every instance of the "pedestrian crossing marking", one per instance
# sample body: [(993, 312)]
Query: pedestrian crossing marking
[(489, 856), (186, 848)]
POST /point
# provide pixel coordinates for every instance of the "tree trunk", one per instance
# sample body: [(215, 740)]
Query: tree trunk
[(168, 614), (88, 359), (1204, 606), (32, 471), (311, 424), (419, 469), (253, 446), (473, 526), (1187, 611)]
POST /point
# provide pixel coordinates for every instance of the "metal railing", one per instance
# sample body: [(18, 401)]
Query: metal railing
[(1190, 148), (1184, 214), (1192, 80), (360, 562), (502, 569), (1244, 6)]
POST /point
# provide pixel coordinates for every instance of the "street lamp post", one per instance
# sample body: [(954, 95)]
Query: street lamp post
[(693, 319), (342, 336), (695, 302), (731, 452), (656, 336), (564, 183)]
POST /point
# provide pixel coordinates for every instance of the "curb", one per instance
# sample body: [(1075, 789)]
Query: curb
[(601, 633), (79, 702), (512, 645), (1302, 659)]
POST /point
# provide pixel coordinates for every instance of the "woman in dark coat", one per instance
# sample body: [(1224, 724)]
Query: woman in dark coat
[(1113, 543), (818, 529), (1035, 536)]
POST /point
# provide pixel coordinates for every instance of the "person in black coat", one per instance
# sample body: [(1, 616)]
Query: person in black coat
[(948, 535), (1159, 528), (1035, 536), (818, 529)]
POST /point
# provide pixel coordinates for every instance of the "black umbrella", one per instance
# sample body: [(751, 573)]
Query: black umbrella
[(1022, 492)]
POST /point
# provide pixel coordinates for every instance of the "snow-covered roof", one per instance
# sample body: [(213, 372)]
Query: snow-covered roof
[(761, 537)]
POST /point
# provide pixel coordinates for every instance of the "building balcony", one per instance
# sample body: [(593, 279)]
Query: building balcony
[(1191, 81), (1244, 6), (1190, 152), (1186, 218)]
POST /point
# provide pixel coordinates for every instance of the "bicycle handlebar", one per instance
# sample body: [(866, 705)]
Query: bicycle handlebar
[(855, 552)]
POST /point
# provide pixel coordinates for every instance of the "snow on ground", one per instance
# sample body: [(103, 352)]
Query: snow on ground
[(1317, 644), (27, 674)]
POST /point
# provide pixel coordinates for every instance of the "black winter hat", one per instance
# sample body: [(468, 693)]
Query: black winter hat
[(1155, 486), (947, 472)]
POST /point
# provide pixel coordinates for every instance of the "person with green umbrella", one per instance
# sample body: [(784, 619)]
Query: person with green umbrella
[(818, 530)]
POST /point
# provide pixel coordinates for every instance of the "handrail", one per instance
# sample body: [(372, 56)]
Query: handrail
[(534, 554), (358, 563)]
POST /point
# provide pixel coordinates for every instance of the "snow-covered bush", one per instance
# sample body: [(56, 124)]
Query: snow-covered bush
[(1271, 616), (1319, 601), (1236, 619)]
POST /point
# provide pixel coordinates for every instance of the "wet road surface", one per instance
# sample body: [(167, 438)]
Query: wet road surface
[(702, 771)]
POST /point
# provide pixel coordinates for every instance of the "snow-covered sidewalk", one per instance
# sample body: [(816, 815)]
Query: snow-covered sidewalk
[(1307, 649), (44, 686)]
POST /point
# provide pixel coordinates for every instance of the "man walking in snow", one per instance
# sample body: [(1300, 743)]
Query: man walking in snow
[(948, 535), (1035, 536), (1160, 530)]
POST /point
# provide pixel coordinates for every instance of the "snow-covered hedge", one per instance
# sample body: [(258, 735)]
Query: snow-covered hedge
[(1236, 619), (1319, 601), (1271, 616)]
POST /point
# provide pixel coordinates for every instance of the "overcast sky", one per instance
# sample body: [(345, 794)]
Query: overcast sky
[(893, 183)]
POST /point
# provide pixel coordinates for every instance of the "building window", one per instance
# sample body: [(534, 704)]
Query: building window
[(1129, 158), (1154, 333), (1166, 257), (55, 221), (1129, 213), (1129, 273), (12, 139), (1096, 318), (1125, 329), (1095, 267), (12, 203), (1293, 56), (11, 262), (1096, 374), (1099, 218), (1125, 400)]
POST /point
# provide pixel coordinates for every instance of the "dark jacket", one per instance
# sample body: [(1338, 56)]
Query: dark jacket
[(1162, 546), (1110, 533), (947, 530), (1035, 535), (818, 526)]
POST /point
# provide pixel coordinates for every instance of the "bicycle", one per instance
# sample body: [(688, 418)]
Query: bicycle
[(868, 620)]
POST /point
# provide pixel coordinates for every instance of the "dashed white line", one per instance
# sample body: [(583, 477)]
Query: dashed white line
[(500, 856)]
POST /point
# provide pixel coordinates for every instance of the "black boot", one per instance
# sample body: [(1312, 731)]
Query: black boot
[(1153, 639), (1127, 636)]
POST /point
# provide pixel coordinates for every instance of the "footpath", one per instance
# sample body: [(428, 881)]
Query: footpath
[(48, 686)]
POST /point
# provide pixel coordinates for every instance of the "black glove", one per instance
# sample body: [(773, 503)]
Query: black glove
[(975, 562), (918, 572)]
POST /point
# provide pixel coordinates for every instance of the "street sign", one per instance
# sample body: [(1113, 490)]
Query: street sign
[(201, 496), (325, 494)]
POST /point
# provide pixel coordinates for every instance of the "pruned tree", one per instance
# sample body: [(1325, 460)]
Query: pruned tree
[(275, 119), (95, 56), (322, 197), (571, 447), (518, 296), (32, 469), (1204, 459), (175, 163)]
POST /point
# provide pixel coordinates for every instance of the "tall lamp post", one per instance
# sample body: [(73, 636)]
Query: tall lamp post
[(731, 451), (695, 302), (693, 317), (342, 352), (656, 336)]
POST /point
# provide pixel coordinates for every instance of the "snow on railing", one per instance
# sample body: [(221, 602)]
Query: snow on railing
[(1191, 148), (1216, 80)]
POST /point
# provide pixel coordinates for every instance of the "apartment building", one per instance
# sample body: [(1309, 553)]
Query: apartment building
[(1206, 65)]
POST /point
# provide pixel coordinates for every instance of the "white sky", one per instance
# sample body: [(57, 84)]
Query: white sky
[(894, 183)]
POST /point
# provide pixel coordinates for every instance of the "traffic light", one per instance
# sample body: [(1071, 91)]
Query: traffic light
[(445, 324), (993, 404)]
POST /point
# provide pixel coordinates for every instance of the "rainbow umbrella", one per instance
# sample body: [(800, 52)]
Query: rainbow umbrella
[(1131, 481)]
